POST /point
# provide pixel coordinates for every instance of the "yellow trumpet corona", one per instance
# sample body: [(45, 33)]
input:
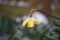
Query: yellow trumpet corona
[(30, 23)]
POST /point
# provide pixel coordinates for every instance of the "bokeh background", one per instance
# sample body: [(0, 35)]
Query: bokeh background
[(12, 9), (22, 7)]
